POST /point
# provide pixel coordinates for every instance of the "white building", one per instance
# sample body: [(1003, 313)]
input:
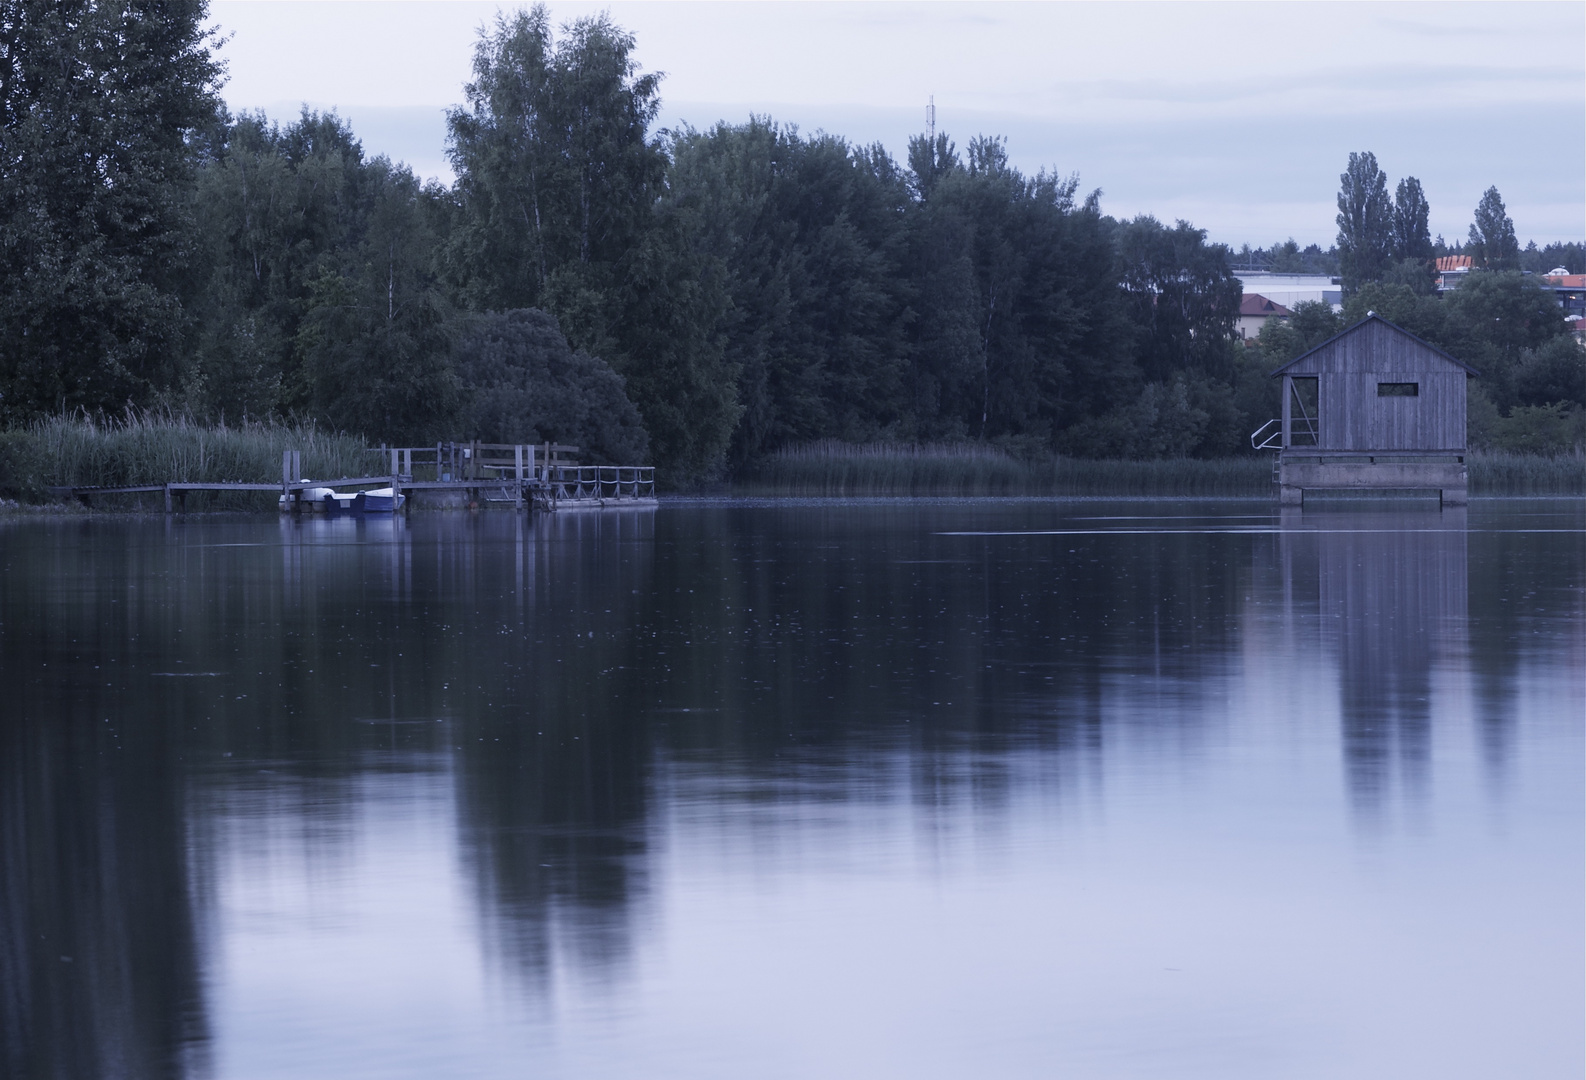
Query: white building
[(1292, 289)]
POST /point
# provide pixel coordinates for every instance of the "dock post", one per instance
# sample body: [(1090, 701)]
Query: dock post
[(167, 498), (517, 473)]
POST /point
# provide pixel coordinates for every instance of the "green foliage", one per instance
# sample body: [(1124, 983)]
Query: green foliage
[(809, 235), (677, 373), (1286, 257), (156, 448), (1492, 242), (524, 384), (277, 209), (556, 170), (1571, 256), (100, 104), (1181, 297), (1552, 373), (1539, 429), (1412, 238), (1311, 323), (1365, 222), (1422, 315), (1491, 319), (1019, 328), (374, 336)]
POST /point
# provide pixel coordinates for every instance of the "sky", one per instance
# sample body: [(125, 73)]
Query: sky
[(1236, 117)]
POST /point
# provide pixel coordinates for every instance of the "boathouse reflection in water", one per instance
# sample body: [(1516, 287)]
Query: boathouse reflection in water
[(1391, 601)]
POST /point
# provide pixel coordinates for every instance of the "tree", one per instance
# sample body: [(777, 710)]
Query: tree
[(1492, 319), (1552, 373), (375, 337), (1492, 242), (1180, 295), (1018, 330), (524, 384), (276, 209), (102, 106), (1286, 257), (1312, 322), (1570, 255), (1412, 237), (810, 235), (1365, 222), (557, 174)]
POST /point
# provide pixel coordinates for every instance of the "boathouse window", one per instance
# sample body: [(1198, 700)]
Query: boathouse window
[(1398, 389)]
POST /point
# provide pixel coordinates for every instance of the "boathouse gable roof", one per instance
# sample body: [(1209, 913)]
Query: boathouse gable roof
[(1372, 344)]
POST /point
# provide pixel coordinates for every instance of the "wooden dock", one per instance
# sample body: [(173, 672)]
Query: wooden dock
[(544, 477)]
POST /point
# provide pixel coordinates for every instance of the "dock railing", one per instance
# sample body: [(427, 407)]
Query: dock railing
[(602, 482), (457, 462)]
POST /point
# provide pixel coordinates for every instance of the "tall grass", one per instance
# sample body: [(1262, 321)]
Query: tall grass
[(1502, 472), (148, 448), (834, 469), (837, 470)]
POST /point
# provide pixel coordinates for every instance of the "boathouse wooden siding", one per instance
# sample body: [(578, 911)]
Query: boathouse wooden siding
[(1352, 415)]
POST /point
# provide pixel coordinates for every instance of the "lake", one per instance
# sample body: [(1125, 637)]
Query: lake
[(724, 789)]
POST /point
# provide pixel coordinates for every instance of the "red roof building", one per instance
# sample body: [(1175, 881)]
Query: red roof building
[(1254, 311)]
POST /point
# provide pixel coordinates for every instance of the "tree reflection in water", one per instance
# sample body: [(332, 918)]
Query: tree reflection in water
[(555, 706)]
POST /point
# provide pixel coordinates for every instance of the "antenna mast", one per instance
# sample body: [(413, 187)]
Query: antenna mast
[(930, 118)]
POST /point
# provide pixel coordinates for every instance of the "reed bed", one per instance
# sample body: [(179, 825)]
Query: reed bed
[(1500, 472), (144, 448), (838, 470)]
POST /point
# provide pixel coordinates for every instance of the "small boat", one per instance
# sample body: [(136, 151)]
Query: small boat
[(309, 498), (329, 501), (378, 501)]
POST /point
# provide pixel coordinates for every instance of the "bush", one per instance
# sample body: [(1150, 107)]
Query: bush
[(524, 384)]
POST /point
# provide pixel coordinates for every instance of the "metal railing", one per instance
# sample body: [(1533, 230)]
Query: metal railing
[(1269, 436), (572, 483), (459, 462)]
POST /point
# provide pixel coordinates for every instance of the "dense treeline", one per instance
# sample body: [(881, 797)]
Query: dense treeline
[(703, 298)]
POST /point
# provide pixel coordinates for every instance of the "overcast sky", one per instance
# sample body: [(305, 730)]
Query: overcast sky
[(1238, 117)]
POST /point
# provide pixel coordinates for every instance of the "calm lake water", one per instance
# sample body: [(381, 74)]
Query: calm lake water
[(905, 789)]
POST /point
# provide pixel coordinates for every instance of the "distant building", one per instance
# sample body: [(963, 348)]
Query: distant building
[(1570, 291), (1451, 270), (1254, 311), (1292, 289)]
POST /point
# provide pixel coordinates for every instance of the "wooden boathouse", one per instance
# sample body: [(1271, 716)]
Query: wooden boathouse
[(1372, 408)]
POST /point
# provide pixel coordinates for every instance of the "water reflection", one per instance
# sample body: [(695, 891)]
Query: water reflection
[(1390, 594), (462, 792), (99, 940)]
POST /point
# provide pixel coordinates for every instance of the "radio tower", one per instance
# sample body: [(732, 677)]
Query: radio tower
[(930, 118)]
